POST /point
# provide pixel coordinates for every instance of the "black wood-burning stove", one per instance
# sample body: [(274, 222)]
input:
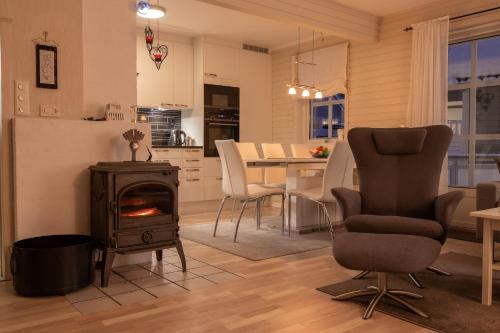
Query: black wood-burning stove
[(134, 208)]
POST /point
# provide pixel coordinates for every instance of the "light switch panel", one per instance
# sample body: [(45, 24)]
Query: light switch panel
[(22, 98), (49, 111)]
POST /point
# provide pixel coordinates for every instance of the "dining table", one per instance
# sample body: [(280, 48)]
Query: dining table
[(304, 213)]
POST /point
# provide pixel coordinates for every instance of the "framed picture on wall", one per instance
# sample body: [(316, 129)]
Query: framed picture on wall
[(46, 66)]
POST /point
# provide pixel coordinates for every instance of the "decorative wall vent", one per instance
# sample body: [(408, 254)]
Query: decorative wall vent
[(255, 48)]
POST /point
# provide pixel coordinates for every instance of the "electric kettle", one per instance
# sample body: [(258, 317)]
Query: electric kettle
[(179, 137)]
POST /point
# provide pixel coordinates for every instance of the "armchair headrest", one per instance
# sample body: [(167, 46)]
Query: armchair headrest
[(399, 141)]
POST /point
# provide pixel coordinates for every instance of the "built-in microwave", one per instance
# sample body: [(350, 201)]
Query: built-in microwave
[(221, 116)]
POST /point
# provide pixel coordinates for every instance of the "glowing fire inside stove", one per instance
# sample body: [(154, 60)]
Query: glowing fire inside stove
[(142, 212)]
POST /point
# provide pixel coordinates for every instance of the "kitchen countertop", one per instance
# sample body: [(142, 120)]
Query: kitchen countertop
[(170, 147)]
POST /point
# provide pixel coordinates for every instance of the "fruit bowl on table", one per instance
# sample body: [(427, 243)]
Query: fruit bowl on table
[(320, 152)]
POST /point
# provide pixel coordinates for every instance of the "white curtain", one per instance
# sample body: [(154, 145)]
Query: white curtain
[(428, 96), (427, 102)]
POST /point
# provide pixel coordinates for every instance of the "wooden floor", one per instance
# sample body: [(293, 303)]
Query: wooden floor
[(276, 295)]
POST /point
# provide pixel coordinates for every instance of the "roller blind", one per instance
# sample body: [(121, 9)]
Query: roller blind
[(330, 73)]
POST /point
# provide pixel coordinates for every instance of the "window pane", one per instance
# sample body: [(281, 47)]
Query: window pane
[(458, 162), (337, 119), (485, 168), (488, 110), (488, 59), (458, 111), (319, 118), (459, 64)]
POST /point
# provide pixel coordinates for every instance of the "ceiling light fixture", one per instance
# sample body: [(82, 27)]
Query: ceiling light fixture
[(146, 10), (306, 89)]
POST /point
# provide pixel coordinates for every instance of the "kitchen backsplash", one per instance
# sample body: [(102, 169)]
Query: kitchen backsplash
[(162, 122)]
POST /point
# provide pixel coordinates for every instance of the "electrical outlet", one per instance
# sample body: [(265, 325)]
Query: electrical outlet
[(49, 111), (22, 98)]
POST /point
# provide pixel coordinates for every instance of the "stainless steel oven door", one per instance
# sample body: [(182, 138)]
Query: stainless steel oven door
[(219, 131)]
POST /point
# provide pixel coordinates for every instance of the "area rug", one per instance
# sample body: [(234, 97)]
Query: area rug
[(453, 303), (253, 244)]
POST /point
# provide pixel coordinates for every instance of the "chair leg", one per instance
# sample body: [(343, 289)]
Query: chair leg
[(283, 214), (258, 212), (319, 216), (239, 220), (327, 215), (360, 275), (289, 215), (232, 210), (438, 271), (415, 281), (221, 205)]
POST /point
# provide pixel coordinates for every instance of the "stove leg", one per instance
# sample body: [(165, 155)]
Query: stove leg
[(180, 250), (159, 255), (107, 263)]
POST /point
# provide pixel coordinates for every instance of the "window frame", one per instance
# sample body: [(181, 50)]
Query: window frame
[(472, 137), (330, 103)]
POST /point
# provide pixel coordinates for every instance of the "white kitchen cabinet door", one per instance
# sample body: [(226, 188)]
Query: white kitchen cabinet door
[(255, 112), (221, 62), (154, 87), (183, 75), (213, 188), (192, 189), (212, 167)]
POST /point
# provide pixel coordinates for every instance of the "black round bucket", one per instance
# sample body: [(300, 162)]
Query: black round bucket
[(52, 265)]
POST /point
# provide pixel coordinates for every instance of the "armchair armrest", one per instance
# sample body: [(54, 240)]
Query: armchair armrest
[(445, 206), (349, 201)]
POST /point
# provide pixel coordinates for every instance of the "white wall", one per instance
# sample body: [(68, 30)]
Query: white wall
[(109, 55), (109, 66)]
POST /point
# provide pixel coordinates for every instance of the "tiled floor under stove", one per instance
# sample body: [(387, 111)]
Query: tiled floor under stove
[(136, 283)]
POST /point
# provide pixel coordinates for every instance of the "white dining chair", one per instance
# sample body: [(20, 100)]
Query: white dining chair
[(300, 150), (338, 173), (274, 177), (235, 185), (248, 151)]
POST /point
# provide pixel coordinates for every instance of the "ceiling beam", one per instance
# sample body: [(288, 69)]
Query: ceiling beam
[(321, 15)]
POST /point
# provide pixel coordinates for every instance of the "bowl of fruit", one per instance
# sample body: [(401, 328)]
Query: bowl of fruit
[(320, 152)]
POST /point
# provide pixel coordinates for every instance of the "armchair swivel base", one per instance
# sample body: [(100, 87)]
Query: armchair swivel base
[(378, 293), (384, 253)]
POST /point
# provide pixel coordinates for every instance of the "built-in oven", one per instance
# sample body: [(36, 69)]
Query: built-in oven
[(222, 116)]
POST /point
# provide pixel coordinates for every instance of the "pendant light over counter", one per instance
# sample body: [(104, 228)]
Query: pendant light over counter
[(294, 86)]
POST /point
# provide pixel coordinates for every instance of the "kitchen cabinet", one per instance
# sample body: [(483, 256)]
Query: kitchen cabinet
[(183, 75), (154, 87), (172, 85), (255, 97), (213, 188), (221, 62)]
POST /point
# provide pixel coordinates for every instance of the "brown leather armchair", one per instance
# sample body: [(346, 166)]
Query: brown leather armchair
[(399, 171)]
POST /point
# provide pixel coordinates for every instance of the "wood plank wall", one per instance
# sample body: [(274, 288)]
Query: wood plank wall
[(378, 72)]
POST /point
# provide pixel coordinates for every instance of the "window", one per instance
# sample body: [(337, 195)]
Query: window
[(474, 111), (327, 117)]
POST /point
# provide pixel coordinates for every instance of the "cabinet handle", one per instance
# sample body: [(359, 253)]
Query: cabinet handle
[(217, 160), (218, 178), (211, 74), (192, 160), (192, 170), (193, 180), (193, 150)]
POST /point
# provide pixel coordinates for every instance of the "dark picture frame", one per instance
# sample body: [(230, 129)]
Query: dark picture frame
[(46, 66)]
